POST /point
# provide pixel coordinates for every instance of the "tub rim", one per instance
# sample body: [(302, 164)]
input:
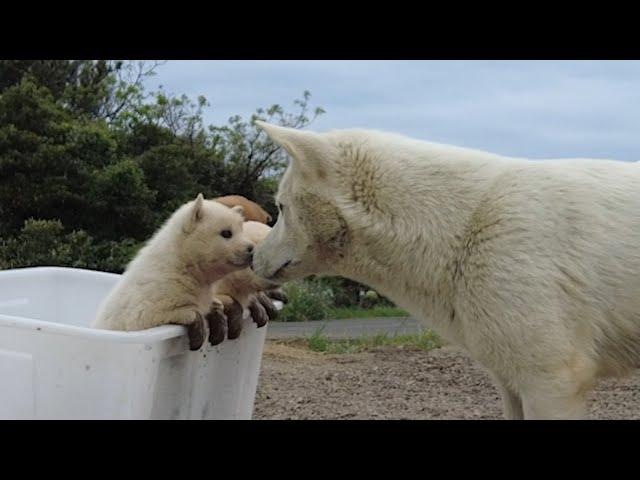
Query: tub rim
[(150, 335)]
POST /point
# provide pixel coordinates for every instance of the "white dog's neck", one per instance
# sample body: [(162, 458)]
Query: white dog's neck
[(424, 234)]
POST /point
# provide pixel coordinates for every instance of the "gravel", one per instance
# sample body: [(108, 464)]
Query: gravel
[(399, 383)]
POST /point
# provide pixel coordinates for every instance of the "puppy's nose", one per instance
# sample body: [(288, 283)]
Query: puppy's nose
[(250, 249)]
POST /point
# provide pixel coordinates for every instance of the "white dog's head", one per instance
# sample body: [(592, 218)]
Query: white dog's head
[(310, 235)]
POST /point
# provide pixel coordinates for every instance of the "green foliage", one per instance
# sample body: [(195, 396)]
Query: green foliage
[(249, 154), (44, 242), (177, 173), (40, 176), (99, 163), (346, 292), (112, 256), (308, 300), (349, 294), (120, 194), (319, 298)]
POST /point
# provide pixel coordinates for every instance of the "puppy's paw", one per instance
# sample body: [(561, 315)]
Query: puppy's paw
[(258, 312), (217, 302), (234, 312), (267, 303), (277, 294), (217, 321), (196, 332)]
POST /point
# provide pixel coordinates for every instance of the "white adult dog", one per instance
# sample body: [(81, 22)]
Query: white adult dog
[(532, 266)]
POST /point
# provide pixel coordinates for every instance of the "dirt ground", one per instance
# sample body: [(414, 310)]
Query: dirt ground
[(399, 383)]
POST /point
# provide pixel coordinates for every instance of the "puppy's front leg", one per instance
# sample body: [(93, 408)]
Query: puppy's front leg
[(265, 300), (234, 313), (277, 294), (217, 321), (196, 332), (258, 311), (195, 326)]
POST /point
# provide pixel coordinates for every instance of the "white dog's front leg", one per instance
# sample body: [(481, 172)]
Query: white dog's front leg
[(511, 402), (553, 405)]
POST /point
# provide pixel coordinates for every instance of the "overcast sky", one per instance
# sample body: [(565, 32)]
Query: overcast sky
[(536, 109)]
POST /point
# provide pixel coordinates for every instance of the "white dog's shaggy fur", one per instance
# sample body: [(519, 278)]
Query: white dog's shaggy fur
[(169, 281), (532, 266)]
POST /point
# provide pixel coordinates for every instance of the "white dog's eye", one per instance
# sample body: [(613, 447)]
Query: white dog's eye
[(226, 233), (280, 207)]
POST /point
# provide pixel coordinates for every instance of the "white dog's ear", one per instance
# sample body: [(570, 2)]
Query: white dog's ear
[(307, 149), (239, 209)]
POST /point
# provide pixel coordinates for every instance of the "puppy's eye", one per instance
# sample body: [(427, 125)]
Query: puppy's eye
[(226, 233)]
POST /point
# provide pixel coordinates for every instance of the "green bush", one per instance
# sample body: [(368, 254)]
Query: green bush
[(113, 256), (45, 243), (350, 294), (345, 291), (308, 300)]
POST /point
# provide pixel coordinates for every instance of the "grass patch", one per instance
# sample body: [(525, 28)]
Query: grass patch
[(319, 342), (355, 312)]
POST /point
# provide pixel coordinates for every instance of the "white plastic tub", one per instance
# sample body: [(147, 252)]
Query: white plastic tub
[(54, 366)]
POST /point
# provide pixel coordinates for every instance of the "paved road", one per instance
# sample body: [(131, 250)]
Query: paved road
[(347, 328)]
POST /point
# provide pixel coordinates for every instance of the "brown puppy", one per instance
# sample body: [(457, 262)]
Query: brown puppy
[(252, 211)]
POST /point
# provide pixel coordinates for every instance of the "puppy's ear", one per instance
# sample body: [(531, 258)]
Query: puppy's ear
[(238, 209), (195, 214), (196, 211)]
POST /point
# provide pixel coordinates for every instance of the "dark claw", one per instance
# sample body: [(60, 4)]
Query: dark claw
[(278, 294), (234, 319), (265, 301), (217, 321), (195, 331), (258, 313)]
